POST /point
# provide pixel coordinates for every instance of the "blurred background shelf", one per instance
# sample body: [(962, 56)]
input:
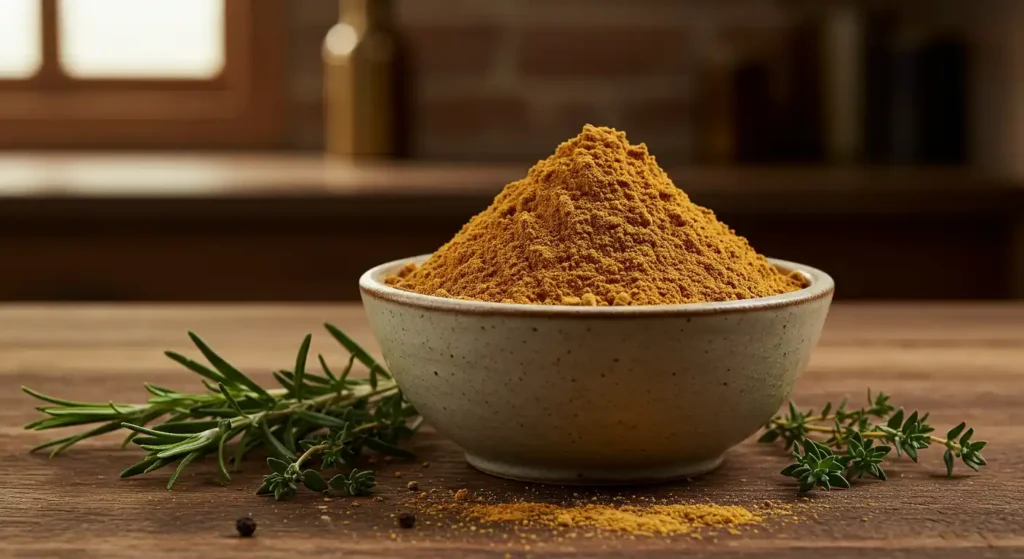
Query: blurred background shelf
[(303, 227), (289, 145)]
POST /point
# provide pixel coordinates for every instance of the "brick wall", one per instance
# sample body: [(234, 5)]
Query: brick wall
[(510, 79)]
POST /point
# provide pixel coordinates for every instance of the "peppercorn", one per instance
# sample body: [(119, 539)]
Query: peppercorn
[(406, 520), (413, 486), (246, 526)]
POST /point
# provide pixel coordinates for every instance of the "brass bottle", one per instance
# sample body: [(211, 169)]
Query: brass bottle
[(362, 82)]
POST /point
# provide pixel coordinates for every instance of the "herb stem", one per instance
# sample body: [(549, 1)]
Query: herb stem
[(312, 451), (869, 434), (326, 400), (245, 421)]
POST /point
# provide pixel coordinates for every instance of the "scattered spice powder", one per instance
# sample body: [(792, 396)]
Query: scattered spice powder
[(633, 519), (623, 516), (596, 223)]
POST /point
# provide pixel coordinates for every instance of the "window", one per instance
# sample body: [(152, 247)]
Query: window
[(141, 73), (20, 52), (169, 38)]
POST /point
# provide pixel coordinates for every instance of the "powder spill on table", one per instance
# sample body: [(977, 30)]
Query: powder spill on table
[(614, 517), (640, 520), (596, 223)]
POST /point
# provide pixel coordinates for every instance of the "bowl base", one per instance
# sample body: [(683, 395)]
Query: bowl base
[(595, 476)]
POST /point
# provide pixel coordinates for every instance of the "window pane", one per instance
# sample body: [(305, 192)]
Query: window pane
[(20, 43), (141, 39)]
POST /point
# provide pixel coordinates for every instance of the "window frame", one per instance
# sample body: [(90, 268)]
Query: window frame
[(241, 107)]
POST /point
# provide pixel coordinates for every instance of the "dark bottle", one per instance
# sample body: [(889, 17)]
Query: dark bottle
[(916, 94), (365, 107)]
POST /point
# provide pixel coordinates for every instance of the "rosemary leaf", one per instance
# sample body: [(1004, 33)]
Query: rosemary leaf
[(358, 353), (326, 369), (285, 382), (110, 427), (300, 366), (288, 434), (159, 463), (231, 400), (181, 467), (155, 433), (385, 448), (321, 419), (140, 467), (233, 375), (195, 367), (184, 447), (187, 427), (330, 419), (348, 369), (52, 442), (275, 446), (51, 399), (240, 450), (220, 453)]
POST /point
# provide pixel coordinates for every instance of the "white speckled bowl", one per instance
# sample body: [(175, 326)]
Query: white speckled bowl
[(596, 395)]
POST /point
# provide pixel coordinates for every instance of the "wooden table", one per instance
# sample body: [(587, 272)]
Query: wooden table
[(960, 361)]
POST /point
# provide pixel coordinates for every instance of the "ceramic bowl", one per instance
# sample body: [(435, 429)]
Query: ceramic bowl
[(596, 395)]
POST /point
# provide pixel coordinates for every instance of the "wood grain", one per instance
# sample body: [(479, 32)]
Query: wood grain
[(960, 361)]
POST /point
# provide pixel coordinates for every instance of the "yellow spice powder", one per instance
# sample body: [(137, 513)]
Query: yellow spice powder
[(647, 520), (596, 223)]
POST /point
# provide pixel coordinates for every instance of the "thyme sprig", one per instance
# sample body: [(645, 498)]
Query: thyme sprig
[(848, 449), (325, 417)]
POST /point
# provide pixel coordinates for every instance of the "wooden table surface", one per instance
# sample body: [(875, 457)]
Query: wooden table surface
[(960, 361)]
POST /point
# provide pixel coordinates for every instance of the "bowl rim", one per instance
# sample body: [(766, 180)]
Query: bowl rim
[(371, 284)]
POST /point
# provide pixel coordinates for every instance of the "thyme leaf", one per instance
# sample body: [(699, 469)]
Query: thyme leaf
[(849, 450)]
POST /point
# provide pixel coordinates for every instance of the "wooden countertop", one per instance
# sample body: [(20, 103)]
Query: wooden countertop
[(144, 186), (960, 361)]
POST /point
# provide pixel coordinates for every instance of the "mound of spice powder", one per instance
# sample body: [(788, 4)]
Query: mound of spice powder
[(596, 223)]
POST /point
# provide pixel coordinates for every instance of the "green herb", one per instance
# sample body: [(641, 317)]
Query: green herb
[(311, 417), (848, 452)]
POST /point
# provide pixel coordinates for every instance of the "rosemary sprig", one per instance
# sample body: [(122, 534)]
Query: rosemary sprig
[(849, 451), (311, 416)]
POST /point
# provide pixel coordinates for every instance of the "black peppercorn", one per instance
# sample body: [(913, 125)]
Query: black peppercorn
[(406, 520), (245, 526)]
